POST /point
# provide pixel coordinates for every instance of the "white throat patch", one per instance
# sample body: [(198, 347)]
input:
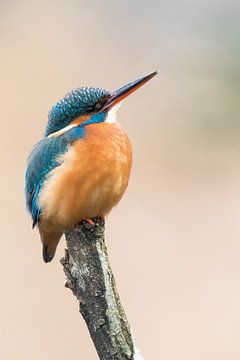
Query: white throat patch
[(112, 114)]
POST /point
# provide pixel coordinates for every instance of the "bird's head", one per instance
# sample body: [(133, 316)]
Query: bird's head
[(88, 105)]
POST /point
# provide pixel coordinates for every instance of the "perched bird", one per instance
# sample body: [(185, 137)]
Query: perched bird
[(81, 168)]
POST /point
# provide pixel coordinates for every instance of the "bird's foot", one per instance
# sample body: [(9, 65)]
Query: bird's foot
[(88, 224), (91, 223), (99, 220)]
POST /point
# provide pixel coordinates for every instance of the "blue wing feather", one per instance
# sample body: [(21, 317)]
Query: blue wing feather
[(43, 159)]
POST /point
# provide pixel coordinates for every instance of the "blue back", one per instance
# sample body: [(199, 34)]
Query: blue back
[(42, 160), (45, 155)]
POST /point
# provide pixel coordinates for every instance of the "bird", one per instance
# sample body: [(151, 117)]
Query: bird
[(80, 169)]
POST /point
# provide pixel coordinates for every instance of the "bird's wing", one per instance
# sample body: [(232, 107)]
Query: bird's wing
[(43, 159)]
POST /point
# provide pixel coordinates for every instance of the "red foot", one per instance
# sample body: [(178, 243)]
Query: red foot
[(89, 221)]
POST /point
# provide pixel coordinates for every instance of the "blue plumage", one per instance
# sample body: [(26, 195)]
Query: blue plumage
[(106, 175), (76, 103), (42, 160), (45, 154)]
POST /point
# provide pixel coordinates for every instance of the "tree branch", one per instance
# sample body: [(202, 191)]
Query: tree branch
[(91, 280)]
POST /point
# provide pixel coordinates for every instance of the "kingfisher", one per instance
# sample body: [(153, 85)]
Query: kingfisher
[(80, 169)]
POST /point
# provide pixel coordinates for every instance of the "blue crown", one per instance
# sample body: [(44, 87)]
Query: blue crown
[(77, 102)]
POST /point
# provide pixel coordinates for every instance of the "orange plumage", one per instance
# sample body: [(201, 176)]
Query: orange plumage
[(90, 181), (81, 168)]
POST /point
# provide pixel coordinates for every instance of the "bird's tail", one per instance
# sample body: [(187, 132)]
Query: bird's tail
[(50, 238)]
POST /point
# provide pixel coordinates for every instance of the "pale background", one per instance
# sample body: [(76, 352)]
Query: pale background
[(174, 240)]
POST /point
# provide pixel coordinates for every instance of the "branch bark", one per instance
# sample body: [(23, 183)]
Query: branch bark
[(91, 280)]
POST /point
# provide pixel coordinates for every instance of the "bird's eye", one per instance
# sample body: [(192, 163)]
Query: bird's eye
[(101, 103), (98, 106), (90, 109), (95, 108)]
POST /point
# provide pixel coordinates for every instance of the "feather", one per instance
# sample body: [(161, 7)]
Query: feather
[(44, 158)]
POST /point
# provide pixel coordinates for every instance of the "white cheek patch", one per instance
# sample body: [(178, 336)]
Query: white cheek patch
[(112, 114), (62, 131)]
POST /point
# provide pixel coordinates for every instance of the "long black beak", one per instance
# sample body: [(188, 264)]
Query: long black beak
[(121, 93)]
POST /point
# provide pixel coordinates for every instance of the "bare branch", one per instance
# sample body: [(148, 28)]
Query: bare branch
[(91, 280)]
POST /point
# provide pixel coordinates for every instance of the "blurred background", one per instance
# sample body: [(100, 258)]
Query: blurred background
[(174, 240)]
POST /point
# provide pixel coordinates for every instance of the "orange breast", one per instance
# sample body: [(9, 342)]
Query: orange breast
[(92, 178)]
